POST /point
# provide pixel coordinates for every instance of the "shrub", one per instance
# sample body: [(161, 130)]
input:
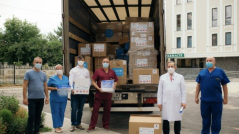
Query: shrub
[(42, 119), (45, 129), (22, 112), (10, 103), (6, 116), (18, 126), (2, 126)]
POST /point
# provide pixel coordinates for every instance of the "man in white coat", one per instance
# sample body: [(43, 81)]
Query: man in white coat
[(171, 97)]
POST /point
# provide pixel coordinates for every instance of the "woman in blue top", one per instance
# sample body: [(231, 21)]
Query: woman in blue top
[(57, 101)]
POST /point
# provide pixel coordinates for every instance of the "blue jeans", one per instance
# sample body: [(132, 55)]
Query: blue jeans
[(77, 105)]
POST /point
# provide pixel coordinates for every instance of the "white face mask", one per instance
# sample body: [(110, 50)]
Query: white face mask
[(59, 72), (171, 70), (81, 63)]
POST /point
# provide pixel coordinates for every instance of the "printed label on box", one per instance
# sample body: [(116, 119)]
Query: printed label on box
[(144, 78), (133, 33), (139, 53), (142, 28), (124, 62), (155, 71), (134, 39), (150, 24), (85, 50), (141, 42), (87, 45), (150, 37), (143, 35), (142, 62), (146, 53), (144, 130), (99, 47), (156, 126), (82, 86), (119, 71)]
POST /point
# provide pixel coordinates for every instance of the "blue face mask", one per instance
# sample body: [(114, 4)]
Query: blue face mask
[(105, 65), (209, 64), (38, 66)]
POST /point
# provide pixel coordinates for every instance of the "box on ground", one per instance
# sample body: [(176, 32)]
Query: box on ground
[(145, 121), (120, 68), (98, 62), (84, 49), (99, 49), (87, 64), (146, 76)]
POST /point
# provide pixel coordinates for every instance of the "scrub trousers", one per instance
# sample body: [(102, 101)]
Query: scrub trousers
[(211, 113), (106, 113), (58, 112)]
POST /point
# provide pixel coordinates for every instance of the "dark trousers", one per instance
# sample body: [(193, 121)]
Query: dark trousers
[(35, 107), (166, 127), (211, 113), (106, 113), (77, 105)]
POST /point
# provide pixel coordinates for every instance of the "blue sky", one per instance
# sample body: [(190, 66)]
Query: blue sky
[(46, 14)]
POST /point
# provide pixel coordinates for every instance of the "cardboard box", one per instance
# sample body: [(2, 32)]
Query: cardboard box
[(99, 49), (146, 76), (137, 28), (136, 19), (126, 28), (84, 49), (112, 48), (145, 121), (141, 42), (125, 34), (98, 62), (112, 37), (146, 58), (120, 68), (88, 62), (123, 40), (115, 27)]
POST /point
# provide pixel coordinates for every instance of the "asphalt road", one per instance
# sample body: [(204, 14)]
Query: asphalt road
[(191, 123)]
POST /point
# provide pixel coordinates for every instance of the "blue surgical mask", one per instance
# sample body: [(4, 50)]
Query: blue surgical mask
[(209, 64), (38, 66), (105, 65)]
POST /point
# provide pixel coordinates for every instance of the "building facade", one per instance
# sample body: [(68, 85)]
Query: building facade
[(196, 29)]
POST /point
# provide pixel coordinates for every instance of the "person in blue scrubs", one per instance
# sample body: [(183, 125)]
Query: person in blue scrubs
[(57, 101), (209, 82)]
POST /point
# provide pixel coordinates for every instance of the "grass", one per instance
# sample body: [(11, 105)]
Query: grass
[(45, 129)]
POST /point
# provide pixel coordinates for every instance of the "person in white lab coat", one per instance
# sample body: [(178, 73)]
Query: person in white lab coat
[(171, 97)]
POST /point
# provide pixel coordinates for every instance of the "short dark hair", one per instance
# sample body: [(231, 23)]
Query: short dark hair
[(81, 57), (171, 62)]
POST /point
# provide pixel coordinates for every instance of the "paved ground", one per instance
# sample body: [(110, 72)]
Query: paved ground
[(191, 123)]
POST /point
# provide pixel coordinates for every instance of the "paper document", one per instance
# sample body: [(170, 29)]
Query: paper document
[(144, 130), (82, 86), (107, 86)]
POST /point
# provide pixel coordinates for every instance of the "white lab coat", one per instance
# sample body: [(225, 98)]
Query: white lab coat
[(171, 94)]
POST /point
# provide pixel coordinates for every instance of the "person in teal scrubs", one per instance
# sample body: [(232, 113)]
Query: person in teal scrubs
[(58, 101)]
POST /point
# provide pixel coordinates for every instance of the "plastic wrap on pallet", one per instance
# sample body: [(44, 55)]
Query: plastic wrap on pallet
[(144, 58)]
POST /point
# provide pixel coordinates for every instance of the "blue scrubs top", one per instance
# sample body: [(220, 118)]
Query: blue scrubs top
[(55, 81), (210, 84)]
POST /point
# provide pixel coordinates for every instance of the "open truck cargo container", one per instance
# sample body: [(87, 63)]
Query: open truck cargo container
[(80, 18)]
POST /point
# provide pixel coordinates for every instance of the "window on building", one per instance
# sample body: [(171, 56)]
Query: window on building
[(179, 42), (178, 2), (189, 42), (228, 15), (228, 38), (189, 21), (214, 39), (190, 1), (179, 22), (214, 17)]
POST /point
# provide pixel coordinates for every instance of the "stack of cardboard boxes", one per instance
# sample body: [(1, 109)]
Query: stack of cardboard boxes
[(142, 54), (109, 32)]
